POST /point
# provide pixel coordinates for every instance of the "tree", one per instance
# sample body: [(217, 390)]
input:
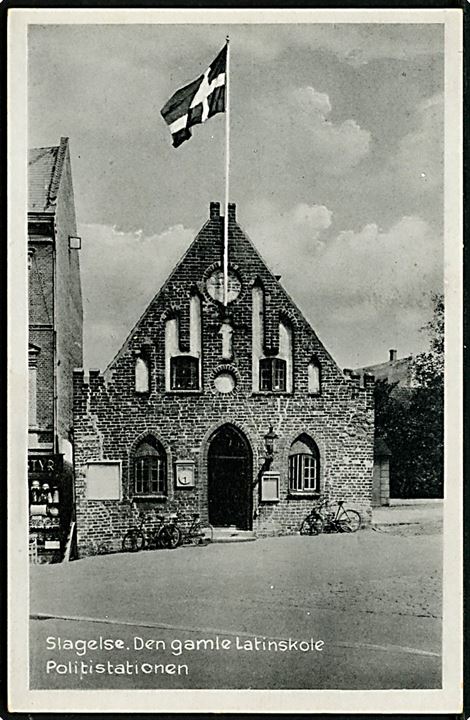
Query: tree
[(428, 367), (411, 420)]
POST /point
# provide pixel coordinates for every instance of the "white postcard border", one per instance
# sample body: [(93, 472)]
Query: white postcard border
[(21, 698)]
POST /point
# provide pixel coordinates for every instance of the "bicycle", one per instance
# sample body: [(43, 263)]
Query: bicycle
[(322, 519), (195, 534), (165, 535)]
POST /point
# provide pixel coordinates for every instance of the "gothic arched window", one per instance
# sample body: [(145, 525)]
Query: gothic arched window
[(304, 465), (150, 468)]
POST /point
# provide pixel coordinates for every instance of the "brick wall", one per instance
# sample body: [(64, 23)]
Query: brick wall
[(43, 337), (41, 324), (109, 417), (40, 283)]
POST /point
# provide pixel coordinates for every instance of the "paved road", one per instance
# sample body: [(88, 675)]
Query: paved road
[(373, 599)]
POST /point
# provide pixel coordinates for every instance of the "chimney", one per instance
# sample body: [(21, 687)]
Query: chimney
[(393, 355), (232, 212), (214, 210)]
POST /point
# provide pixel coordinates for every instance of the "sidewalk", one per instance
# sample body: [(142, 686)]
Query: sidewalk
[(408, 514)]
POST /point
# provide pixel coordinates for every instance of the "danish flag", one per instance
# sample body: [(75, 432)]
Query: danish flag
[(198, 101)]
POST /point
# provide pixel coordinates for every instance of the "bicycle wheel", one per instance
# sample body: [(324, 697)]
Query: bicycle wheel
[(133, 541), (350, 521), (317, 526), (306, 527), (169, 537)]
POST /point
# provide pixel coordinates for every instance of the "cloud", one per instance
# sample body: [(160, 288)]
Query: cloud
[(398, 266), (121, 273), (298, 229), (339, 146), (419, 159), (373, 266), (363, 291)]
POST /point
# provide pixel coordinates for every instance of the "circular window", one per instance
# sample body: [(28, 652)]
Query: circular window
[(215, 285), (224, 382)]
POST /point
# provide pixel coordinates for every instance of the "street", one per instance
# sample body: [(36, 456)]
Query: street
[(356, 611)]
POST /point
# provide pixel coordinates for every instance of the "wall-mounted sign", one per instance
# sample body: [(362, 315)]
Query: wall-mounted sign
[(270, 482), (184, 474), (44, 464), (52, 545), (103, 480)]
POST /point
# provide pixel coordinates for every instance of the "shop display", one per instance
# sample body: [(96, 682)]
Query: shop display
[(45, 515)]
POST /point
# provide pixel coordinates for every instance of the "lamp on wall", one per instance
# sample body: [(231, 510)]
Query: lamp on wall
[(269, 443)]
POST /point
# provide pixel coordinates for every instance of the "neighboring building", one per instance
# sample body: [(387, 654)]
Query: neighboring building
[(397, 372), (238, 413), (55, 344)]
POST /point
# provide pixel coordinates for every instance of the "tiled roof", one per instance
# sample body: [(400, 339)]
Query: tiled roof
[(44, 171), (394, 371)]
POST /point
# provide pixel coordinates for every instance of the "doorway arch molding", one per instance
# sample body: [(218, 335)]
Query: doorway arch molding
[(253, 441)]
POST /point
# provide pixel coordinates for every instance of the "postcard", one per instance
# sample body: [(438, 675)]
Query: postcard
[(235, 400)]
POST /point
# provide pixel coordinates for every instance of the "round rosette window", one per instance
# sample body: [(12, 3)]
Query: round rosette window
[(215, 285), (225, 382)]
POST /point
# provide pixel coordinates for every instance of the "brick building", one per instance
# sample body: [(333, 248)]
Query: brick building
[(187, 412), (55, 343)]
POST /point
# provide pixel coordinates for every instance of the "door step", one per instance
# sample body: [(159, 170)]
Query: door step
[(228, 534)]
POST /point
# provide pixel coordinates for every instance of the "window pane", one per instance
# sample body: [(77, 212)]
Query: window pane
[(265, 374), (309, 474), (291, 473), (279, 374), (146, 463), (157, 485), (184, 373), (138, 476)]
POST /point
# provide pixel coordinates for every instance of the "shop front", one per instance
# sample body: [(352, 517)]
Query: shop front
[(50, 506)]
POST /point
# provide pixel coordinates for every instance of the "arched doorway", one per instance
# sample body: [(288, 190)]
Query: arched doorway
[(230, 479)]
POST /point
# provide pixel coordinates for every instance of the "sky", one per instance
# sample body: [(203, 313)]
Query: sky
[(336, 167)]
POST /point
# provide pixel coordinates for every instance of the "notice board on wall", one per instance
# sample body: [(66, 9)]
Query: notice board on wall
[(103, 481)]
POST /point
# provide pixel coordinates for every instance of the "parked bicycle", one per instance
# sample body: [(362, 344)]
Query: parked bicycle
[(163, 533), (322, 519), (194, 535)]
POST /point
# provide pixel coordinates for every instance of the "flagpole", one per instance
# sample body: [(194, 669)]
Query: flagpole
[(227, 166)]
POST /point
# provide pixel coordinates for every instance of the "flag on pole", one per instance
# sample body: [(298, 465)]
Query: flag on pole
[(198, 101)]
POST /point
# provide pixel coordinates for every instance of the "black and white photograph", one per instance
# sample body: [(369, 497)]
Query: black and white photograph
[(235, 375)]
